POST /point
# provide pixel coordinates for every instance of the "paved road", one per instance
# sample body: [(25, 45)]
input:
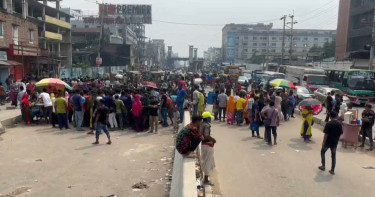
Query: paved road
[(246, 166), (55, 163)]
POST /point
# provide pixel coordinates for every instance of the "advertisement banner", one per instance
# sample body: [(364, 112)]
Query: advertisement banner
[(132, 14), (64, 73), (76, 72)]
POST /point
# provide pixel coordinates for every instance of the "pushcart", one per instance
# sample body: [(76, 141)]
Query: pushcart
[(350, 135)]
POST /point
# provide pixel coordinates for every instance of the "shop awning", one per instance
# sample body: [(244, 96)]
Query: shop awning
[(9, 63)]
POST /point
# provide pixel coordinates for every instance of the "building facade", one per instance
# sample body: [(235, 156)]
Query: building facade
[(36, 38), (241, 41), (213, 55)]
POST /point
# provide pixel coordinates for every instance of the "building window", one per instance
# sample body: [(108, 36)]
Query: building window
[(86, 26), (15, 34), (255, 44), (274, 38), (316, 39), (326, 39), (264, 50), (246, 37), (245, 50), (1, 29), (280, 38), (255, 38), (31, 36), (254, 50), (305, 38), (273, 50), (264, 44), (245, 43), (315, 45), (273, 44)]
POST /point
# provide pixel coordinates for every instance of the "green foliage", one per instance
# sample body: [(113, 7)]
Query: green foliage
[(256, 59), (327, 51)]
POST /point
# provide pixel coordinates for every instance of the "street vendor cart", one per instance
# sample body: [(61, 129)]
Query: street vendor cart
[(350, 135)]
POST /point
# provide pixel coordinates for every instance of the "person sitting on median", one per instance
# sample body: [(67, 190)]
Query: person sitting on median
[(189, 137)]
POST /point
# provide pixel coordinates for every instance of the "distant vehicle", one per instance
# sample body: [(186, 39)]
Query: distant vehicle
[(242, 80), (257, 76), (268, 76), (234, 72), (303, 93), (359, 85), (305, 76), (322, 93)]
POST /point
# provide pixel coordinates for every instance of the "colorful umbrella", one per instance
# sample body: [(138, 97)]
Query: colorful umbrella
[(149, 84), (53, 83), (313, 103), (282, 83)]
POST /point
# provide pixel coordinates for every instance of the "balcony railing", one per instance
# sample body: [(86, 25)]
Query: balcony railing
[(55, 21)]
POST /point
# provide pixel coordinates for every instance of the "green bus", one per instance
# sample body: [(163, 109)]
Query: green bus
[(358, 84)]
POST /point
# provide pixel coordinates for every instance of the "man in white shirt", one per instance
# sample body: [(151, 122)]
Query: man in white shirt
[(47, 102), (20, 95), (195, 100)]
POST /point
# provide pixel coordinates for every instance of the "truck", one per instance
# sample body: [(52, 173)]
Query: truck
[(305, 76)]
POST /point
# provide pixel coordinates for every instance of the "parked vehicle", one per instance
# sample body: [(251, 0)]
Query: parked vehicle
[(358, 85), (303, 93), (268, 77), (305, 76), (242, 80), (322, 93)]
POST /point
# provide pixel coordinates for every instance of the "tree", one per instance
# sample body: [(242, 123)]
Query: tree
[(256, 59), (327, 51)]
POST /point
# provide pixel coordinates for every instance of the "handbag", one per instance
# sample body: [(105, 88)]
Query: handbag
[(268, 120)]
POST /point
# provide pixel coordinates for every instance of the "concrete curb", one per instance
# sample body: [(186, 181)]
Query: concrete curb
[(9, 123), (183, 176)]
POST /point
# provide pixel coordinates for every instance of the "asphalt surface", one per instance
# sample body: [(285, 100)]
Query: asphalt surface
[(247, 166), (42, 161)]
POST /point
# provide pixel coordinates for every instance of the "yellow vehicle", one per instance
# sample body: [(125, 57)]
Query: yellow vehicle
[(234, 72)]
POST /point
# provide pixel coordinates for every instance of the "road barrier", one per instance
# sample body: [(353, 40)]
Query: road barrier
[(183, 175)]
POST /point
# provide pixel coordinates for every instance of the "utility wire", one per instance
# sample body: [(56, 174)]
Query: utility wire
[(202, 24), (317, 9)]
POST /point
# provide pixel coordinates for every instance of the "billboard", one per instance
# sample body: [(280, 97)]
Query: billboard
[(132, 14)]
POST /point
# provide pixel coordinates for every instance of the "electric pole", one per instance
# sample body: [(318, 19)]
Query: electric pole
[(283, 45), (291, 37)]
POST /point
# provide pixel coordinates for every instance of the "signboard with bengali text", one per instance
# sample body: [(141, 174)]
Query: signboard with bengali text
[(129, 14)]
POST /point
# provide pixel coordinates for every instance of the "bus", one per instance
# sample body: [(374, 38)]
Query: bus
[(305, 76), (358, 84)]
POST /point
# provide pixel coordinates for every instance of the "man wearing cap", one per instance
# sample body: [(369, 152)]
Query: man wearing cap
[(368, 117), (207, 149)]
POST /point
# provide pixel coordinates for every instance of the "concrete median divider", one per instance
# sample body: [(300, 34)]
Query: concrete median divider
[(183, 175)]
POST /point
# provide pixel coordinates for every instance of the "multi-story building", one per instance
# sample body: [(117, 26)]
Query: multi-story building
[(241, 41), (119, 45), (355, 30), (35, 36), (213, 55)]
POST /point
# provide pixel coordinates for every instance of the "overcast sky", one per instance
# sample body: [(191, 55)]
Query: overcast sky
[(211, 15)]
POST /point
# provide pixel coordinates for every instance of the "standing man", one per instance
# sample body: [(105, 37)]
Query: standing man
[(181, 95), (278, 101), (272, 115), (195, 100), (61, 107), (207, 148), (47, 102), (120, 108), (329, 105), (332, 132), (154, 106), (222, 99), (77, 102), (164, 108), (2, 94), (101, 122), (368, 117), (240, 106)]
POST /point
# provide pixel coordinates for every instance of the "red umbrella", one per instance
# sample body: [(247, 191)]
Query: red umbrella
[(316, 108), (149, 84)]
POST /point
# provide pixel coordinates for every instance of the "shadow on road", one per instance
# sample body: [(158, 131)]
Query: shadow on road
[(262, 145), (322, 177), (299, 144)]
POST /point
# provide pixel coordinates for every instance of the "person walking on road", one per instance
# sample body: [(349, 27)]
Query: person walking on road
[(368, 117), (240, 106), (222, 99), (230, 111), (329, 105), (291, 104), (308, 119), (332, 132), (101, 119), (255, 118), (271, 121), (207, 148)]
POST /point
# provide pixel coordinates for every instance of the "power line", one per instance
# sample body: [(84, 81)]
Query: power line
[(202, 24), (319, 14), (310, 12)]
